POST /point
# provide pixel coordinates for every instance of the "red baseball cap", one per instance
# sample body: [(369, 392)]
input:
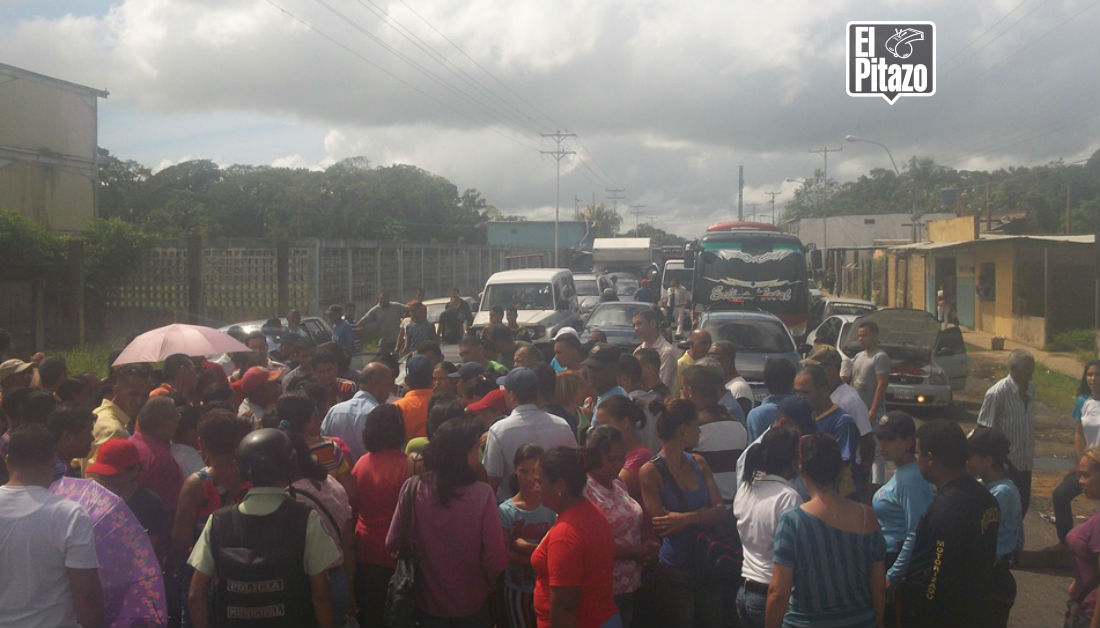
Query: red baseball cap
[(255, 377), (114, 456), (493, 400)]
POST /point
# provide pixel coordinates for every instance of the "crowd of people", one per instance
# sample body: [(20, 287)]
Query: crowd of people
[(576, 484)]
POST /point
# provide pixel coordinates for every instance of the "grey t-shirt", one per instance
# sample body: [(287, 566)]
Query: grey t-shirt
[(865, 372), (386, 319)]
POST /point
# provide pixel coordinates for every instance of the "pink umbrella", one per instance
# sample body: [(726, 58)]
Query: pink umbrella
[(193, 340)]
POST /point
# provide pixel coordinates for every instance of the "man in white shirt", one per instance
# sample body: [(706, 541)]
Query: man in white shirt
[(737, 388), (526, 424), (721, 439), (647, 326), (1009, 406), (50, 574)]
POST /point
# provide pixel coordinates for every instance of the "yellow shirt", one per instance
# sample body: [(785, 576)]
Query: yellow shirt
[(110, 422), (685, 361)]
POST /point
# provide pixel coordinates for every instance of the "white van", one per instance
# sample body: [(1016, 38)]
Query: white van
[(545, 300)]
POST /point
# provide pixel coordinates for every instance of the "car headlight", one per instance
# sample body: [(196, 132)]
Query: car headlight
[(935, 375)]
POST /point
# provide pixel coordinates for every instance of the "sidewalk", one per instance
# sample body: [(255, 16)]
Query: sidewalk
[(1063, 363)]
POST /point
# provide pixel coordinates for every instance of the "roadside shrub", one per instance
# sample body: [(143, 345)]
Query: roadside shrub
[(28, 249), (1073, 339)]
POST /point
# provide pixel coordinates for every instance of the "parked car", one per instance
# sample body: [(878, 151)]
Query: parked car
[(927, 362), (316, 328), (824, 307), (757, 336), (545, 299), (616, 320), (589, 288)]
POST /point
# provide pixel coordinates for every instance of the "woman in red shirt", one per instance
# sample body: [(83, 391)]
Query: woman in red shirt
[(573, 563), (378, 474)]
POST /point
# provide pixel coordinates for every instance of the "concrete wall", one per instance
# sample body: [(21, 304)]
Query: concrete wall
[(48, 136), (961, 229), (858, 230)]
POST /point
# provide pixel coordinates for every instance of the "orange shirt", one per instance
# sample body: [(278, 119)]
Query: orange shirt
[(414, 407)]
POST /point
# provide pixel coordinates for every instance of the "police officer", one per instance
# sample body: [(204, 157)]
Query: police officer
[(266, 556), (951, 569)]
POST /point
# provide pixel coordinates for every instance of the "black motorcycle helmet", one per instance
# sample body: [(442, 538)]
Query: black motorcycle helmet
[(265, 457)]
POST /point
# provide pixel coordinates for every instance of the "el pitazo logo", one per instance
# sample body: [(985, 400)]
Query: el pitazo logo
[(891, 59)]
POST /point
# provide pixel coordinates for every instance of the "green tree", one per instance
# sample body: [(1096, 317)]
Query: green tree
[(659, 237), (602, 221)]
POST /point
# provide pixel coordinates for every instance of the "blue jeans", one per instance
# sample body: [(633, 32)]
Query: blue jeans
[(750, 608), (338, 586)]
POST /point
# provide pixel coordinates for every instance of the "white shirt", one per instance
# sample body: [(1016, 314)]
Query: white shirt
[(758, 507), (1087, 413), (526, 424), (1004, 410), (740, 388), (847, 399), (721, 443), (669, 355), (43, 535), (188, 458)]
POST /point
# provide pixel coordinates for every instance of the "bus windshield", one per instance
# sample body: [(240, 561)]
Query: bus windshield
[(763, 273)]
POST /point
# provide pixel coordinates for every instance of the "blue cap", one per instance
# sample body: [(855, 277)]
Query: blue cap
[(468, 370), (418, 365), (522, 381)]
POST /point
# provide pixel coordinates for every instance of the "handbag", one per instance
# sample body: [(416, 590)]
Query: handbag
[(401, 589), (716, 553)]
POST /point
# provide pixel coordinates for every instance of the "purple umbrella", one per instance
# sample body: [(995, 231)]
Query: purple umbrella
[(133, 587)]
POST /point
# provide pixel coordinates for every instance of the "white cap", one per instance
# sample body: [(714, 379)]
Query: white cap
[(567, 331)]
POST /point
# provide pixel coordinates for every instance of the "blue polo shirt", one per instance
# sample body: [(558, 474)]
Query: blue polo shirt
[(838, 424), (761, 417)]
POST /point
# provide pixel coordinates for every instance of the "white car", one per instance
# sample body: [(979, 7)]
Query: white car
[(927, 361), (545, 300)]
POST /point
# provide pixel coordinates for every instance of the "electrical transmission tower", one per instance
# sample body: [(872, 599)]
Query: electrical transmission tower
[(558, 154)]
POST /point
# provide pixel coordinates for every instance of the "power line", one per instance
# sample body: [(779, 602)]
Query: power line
[(395, 77), (558, 155), (479, 66)]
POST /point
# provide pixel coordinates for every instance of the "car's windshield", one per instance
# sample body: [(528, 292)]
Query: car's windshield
[(854, 309), (586, 287), (525, 296), (751, 336), (613, 315)]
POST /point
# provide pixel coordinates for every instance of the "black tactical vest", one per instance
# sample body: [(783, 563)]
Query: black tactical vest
[(260, 565)]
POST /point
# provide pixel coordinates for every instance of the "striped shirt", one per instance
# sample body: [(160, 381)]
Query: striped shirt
[(1004, 410), (832, 570)]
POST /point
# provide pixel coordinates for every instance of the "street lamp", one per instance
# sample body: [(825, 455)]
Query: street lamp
[(852, 138)]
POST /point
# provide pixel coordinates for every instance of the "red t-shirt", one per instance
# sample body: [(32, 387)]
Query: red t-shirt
[(378, 478), (578, 551)]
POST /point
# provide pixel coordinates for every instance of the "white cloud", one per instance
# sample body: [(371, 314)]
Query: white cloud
[(668, 98)]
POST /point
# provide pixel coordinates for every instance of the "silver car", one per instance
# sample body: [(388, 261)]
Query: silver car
[(927, 361), (589, 288), (757, 336)]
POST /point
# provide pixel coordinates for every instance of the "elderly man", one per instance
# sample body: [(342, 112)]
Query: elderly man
[(1009, 406), (348, 418)]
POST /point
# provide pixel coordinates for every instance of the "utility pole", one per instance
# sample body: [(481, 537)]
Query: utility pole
[(615, 195), (824, 152), (558, 154), (740, 193), (773, 195), (637, 209)]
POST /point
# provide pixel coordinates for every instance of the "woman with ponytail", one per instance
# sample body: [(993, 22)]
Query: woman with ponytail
[(628, 417), (765, 493)]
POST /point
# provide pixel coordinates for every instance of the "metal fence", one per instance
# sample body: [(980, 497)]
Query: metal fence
[(221, 281)]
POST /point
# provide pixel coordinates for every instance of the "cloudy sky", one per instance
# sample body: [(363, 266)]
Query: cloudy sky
[(667, 98)]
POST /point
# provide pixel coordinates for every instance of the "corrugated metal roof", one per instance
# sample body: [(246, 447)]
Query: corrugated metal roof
[(987, 238)]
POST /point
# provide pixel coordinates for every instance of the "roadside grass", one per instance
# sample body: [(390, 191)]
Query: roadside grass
[(1056, 390), (89, 358)]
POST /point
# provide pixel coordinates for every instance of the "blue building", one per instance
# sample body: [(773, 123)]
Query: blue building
[(536, 234)]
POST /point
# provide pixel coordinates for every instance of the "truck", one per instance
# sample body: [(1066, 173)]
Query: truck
[(626, 260)]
